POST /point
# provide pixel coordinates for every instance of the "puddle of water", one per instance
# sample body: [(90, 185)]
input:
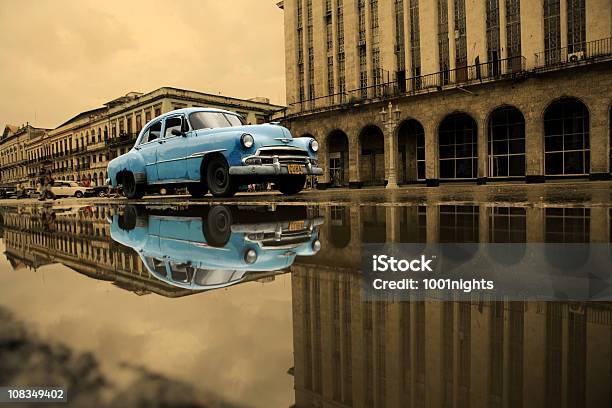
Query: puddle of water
[(261, 305)]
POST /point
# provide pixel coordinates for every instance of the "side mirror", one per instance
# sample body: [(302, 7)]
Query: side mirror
[(177, 132)]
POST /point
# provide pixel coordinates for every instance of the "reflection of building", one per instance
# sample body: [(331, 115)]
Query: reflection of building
[(80, 148), (452, 354), (80, 240), (485, 90), (420, 354)]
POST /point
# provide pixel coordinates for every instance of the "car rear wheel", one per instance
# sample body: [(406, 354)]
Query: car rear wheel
[(218, 178), (131, 189), (197, 190), (291, 185), (78, 194), (49, 195)]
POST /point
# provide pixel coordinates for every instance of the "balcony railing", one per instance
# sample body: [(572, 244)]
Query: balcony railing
[(584, 52), (478, 73), (122, 140)]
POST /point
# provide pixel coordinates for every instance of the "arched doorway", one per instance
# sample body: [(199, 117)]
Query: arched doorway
[(338, 158), (458, 147), (411, 152), (95, 179), (372, 160), (566, 138), (506, 141)]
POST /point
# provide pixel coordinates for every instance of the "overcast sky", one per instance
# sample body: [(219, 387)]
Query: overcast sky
[(62, 57)]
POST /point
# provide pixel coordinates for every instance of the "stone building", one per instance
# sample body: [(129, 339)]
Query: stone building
[(479, 90), (13, 152), (351, 353), (80, 148)]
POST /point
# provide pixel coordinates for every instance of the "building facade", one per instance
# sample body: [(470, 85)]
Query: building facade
[(479, 90), (80, 148)]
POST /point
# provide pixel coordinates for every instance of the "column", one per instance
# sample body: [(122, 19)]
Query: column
[(534, 146), (432, 165), (391, 154), (483, 151), (323, 155), (600, 140), (354, 162)]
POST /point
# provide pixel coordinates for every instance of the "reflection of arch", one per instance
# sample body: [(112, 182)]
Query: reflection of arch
[(338, 151), (458, 147), (411, 151), (373, 224), (566, 138), (506, 142), (340, 227), (372, 160)]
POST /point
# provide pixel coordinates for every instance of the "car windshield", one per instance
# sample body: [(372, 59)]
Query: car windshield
[(211, 120)]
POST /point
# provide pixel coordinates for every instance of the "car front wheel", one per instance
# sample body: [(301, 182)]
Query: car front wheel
[(78, 194), (131, 189), (291, 184), (218, 178)]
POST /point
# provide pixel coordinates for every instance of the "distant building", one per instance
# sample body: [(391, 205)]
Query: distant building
[(481, 90), (80, 148)]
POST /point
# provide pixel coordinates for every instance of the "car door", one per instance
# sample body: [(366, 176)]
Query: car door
[(173, 152), (148, 149), (61, 188)]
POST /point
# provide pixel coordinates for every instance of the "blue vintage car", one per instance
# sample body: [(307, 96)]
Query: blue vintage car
[(212, 247), (213, 150)]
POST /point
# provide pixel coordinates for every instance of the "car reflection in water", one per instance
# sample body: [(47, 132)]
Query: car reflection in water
[(211, 247)]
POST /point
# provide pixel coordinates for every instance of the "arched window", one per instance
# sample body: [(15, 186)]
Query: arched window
[(458, 147), (506, 143), (566, 138)]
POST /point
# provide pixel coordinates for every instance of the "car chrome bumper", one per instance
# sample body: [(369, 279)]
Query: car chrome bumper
[(272, 170)]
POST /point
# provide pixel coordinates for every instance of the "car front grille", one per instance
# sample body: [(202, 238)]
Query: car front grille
[(285, 155)]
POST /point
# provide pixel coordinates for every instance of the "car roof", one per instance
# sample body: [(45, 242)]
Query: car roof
[(187, 111)]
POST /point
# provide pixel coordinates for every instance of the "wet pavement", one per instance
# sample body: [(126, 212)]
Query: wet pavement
[(254, 302)]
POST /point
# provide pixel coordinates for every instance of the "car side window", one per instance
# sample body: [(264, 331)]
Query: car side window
[(152, 133), (173, 123)]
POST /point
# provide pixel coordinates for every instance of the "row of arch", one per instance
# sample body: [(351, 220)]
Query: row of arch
[(566, 146)]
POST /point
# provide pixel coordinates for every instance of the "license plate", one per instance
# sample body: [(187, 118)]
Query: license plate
[(294, 168), (296, 225)]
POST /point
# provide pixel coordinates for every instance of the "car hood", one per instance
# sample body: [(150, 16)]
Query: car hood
[(256, 130)]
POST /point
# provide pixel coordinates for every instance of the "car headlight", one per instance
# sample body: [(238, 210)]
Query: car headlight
[(316, 245), (247, 140), (250, 256), (314, 145)]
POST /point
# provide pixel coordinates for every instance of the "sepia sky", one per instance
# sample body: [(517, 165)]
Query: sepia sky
[(62, 57)]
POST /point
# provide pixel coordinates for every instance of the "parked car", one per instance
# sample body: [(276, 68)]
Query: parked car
[(7, 191), (214, 247), (62, 188), (213, 150)]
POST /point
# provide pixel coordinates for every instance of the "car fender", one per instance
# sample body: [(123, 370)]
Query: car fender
[(131, 161)]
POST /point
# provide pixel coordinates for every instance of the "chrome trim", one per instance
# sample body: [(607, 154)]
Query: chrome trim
[(281, 147), (173, 181), (200, 154)]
